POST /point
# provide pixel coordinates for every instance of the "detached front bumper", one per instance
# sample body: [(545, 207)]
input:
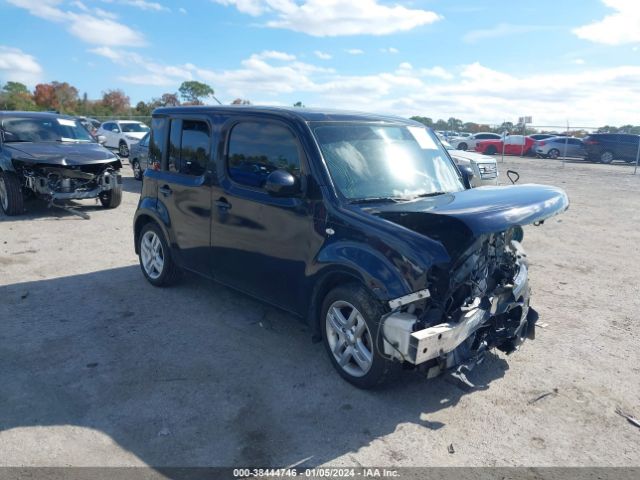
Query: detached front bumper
[(505, 320)]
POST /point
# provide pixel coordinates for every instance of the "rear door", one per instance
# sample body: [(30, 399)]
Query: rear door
[(184, 189), (629, 147)]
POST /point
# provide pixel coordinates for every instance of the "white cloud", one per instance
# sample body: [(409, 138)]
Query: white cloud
[(389, 50), (501, 30), (95, 27), (18, 66), (323, 55), (473, 92), (182, 10), (145, 5), (354, 51), (617, 28), (579, 61), (329, 18)]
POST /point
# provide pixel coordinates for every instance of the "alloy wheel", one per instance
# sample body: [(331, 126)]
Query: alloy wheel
[(152, 255), (349, 338)]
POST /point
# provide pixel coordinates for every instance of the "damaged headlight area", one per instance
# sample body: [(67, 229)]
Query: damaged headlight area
[(76, 182), (479, 302)]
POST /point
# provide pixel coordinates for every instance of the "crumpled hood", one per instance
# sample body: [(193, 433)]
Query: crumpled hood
[(456, 219), (59, 153)]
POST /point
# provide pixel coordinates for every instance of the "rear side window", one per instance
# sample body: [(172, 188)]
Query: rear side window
[(157, 141), (257, 149), (189, 147)]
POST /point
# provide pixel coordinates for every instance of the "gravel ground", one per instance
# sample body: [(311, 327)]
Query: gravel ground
[(101, 369)]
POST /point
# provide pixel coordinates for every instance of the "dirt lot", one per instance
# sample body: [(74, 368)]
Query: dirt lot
[(99, 368)]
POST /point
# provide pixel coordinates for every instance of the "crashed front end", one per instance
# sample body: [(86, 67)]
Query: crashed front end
[(479, 302), (60, 183)]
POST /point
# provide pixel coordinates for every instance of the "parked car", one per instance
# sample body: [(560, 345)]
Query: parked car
[(53, 157), (139, 157), (91, 124), (480, 169), (359, 223), (555, 147), (513, 145), (607, 147), (469, 143), (542, 136), (122, 134)]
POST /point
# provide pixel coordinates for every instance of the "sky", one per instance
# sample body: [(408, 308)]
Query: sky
[(486, 61)]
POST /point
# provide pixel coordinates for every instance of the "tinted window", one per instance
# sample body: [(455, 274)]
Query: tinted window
[(189, 147), (107, 126), (145, 141), (257, 149), (157, 141), (195, 147)]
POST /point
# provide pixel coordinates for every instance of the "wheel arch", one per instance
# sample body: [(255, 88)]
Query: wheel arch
[(142, 218)]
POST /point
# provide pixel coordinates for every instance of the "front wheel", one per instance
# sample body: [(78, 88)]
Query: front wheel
[(351, 319), (491, 150), (112, 198), (11, 199), (123, 149), (462, 146)]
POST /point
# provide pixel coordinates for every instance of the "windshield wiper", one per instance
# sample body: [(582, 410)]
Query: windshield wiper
[(375, 200), (431, 194)]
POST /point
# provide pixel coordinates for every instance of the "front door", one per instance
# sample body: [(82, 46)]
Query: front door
[(260, 243), (184, 189)]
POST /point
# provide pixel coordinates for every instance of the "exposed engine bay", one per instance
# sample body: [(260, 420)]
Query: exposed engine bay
[(479, 302), (73, 182)]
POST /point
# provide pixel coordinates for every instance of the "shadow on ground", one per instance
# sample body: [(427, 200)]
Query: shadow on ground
[(195, 375)]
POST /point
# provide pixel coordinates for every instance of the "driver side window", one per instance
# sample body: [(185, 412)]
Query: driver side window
[(257, 149)]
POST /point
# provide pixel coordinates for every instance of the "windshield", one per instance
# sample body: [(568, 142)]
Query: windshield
[(46, 129), (372, 161), (134, 127)]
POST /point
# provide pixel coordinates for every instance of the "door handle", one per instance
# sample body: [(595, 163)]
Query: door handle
[(223, 204), (165, 190)]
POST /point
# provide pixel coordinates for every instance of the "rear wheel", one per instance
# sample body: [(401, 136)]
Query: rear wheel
[(111, 198), (137, 171), (11, 200), (606, 156), (553, 153), (155, 257), (351, 319), (123, 149)]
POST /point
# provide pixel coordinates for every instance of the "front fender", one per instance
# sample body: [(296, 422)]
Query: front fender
[(6, 165), (369, 266)]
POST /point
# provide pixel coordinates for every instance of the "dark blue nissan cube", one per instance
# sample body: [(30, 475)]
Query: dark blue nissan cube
[(360, 224)]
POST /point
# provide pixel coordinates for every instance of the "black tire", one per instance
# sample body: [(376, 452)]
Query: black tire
[(137, 172), (11, 199), (491, 150), (123, 149), (370, 310), (606, 157), (553, 153), (112, 198), (170, 272), (463, 146)]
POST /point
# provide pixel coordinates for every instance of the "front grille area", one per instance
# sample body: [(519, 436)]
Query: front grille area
[(488, 170)]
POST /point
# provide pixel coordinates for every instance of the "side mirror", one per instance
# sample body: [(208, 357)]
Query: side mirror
[(102, 139), (467, 175), (281, 183)]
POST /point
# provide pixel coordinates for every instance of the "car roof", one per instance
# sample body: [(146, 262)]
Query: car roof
[(304, 114), (17, 113)]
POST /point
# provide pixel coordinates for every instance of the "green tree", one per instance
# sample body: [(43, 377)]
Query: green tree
[(193, 92), (441, 125), (16, 96), (115, 101), (298, 104), (424, 120), (454, 124)]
